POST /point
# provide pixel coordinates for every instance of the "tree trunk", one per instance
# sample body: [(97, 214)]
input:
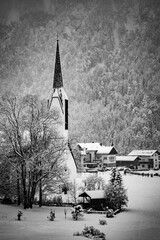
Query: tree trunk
[(32, 194), (29, 190), (40, 193), (25, 199), (18, 190)]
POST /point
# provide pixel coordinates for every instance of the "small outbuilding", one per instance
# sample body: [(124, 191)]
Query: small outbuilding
[(127, 161), (93, 199)]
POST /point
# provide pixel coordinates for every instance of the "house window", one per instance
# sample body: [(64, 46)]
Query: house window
[(111, 158), (98, 158)]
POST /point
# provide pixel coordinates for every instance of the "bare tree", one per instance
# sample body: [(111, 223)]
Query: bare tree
[(7, 179), (29, 133), (93, 182), (73, 191)]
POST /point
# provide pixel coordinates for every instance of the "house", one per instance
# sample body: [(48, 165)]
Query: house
[(149, 159), (96, 155), (93, 199), (127, 161)]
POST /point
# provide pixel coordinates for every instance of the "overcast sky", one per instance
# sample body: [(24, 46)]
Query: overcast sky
[(11, 10)]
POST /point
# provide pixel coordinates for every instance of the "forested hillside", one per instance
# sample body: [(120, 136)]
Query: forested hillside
[(110, 55)]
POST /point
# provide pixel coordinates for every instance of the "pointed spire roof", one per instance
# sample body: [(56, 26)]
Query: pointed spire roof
[(57, 82)]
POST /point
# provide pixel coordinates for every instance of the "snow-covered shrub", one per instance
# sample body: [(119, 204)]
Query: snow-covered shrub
[(102, 222)]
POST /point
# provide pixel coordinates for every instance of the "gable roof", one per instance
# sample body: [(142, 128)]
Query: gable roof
[(127, 158), (100, 149), (106, 150), (142, 152), (89, 146), (94, 194)]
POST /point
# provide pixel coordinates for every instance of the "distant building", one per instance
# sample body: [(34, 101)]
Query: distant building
[(149, 159), (96, 155), (128, 161)]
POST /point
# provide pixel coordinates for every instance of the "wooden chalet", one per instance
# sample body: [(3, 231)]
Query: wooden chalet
[(149, 159), (96, 155)]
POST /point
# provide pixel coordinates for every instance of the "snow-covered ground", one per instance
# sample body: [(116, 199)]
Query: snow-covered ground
[(141, 220)]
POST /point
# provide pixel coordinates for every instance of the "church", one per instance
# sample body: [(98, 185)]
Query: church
[(58, 100)]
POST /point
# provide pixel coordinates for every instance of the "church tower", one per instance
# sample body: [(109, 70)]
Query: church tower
[(59, 99)]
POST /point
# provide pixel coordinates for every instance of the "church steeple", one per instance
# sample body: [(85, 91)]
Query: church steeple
[(57, 82), (58, 98)]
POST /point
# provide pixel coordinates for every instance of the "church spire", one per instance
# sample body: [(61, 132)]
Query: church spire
[(57, 82)]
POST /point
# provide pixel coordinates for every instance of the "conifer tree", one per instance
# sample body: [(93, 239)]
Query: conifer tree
[(113, 176), (118, 179), (115, 193)]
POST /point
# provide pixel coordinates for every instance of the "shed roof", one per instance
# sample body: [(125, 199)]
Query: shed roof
[(127, 158), (142, 152), (94, 194)]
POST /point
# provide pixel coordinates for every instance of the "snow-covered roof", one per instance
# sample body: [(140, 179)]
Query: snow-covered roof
[(90, 146), (99, 148), (142, 152), (104, 150), (126, 158), (94, 194)]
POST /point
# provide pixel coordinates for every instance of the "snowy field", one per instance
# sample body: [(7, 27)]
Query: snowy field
[(140, 221)]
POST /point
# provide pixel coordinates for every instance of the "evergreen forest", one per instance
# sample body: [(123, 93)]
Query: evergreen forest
[(110, 59)]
